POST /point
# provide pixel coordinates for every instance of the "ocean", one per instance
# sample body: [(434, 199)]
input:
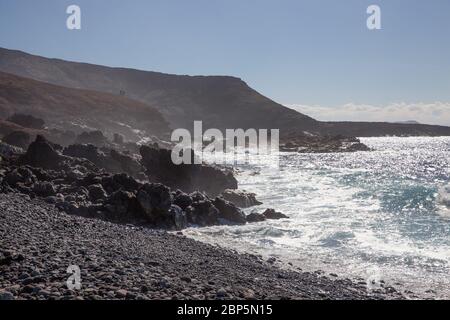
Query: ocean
[(370, 216)]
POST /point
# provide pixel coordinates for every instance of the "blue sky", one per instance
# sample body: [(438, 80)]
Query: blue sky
[(313, 52)]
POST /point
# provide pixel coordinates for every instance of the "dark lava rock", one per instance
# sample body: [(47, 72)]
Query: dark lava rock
[(186, 177), (19, 139), (182, 199), (119, 181), (272, 214), (44, 189), (96, 192), (313, 143), (127, 164), (255, 217), (20, 175), (229, 211), (42, 154), (202, 212), (111, 160), (121, 206), (241, 198), (155, 200)]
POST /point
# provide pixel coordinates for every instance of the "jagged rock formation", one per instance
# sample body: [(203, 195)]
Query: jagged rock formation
[(321, 144), (241, 198), (72, 182), (187, 177)]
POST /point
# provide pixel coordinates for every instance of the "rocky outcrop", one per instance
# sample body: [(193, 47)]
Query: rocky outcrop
[(310, 143), (241, 198), (41, 154), (111, 160), (77, 186), (186, 177), (274, 215), (229, 211), (82, 182)]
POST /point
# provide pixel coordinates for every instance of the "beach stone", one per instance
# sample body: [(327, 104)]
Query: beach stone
[(6, 295), (121, 293)]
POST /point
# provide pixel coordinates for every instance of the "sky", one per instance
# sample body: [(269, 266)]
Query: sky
[(317, 56)]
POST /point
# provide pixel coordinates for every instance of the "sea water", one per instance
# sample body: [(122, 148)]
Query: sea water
[(382, 214)]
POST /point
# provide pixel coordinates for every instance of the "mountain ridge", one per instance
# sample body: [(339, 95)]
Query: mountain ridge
[(219, 101), (78, 109)]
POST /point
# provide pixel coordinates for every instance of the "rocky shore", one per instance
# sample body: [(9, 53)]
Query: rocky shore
[(83, 180), (117, 261), (115, 209)]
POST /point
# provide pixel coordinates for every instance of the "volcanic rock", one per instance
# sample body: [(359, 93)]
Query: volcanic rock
[(42, 154), (229, 211), (186, 177), (274, 215), (241, 198)]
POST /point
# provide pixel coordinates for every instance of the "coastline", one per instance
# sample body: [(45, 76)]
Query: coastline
[(125, 262)]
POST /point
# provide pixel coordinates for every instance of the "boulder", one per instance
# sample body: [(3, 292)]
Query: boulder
[(127, 164), (155, 200), (13, 177), (187, 177), (119, 181), (96, 192), (42, 154), (202, 212), (20, 175), (182, 199), (255, 217), (121, 206), (272, 214), (241, 198), (44, 189), (229, 211)]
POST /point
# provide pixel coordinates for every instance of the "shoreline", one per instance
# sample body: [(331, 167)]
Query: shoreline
[(127, 262)]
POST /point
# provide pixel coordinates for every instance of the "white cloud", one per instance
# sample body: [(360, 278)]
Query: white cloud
[(428, 113)]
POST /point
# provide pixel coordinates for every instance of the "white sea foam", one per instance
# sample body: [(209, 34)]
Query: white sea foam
[(353, 212)]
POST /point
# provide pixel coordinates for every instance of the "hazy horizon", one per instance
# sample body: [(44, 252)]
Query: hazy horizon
[(318, 55)]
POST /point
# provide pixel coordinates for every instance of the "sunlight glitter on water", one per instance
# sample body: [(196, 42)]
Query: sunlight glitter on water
[(354, 212)]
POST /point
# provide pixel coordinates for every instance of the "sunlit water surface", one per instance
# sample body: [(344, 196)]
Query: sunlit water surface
[(360, 215)]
